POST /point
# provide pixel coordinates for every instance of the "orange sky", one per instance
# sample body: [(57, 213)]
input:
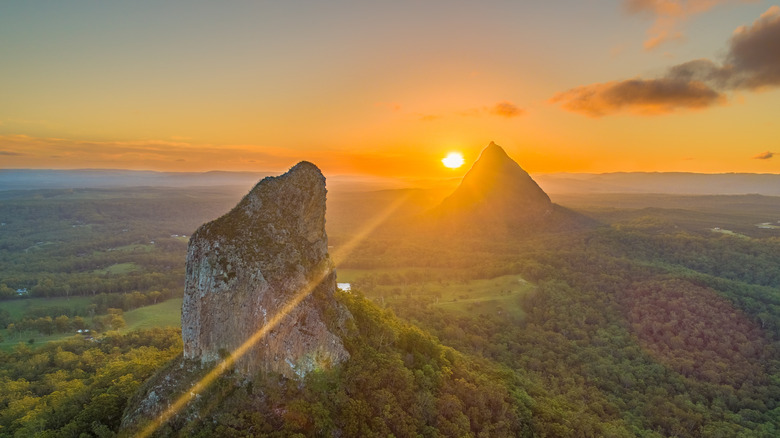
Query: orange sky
[(390, 89)]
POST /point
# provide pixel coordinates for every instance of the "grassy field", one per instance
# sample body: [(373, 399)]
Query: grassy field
[(18, 307), (165, 314), (496, 295), (9, 341), (345, 275), (500, 294)]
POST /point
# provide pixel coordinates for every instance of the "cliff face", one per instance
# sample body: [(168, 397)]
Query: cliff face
[(245, 266)]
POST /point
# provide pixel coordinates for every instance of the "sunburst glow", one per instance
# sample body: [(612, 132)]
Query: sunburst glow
[(453, 160)]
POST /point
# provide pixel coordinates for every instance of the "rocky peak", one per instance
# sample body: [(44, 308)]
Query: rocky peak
[(495, 189), (245, 266)]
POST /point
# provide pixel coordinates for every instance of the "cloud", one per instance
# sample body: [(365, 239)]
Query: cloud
[(764, 156), (754, 53), (661, 37), (503, 108), (751, 63), (653, 96), (506, 109), (668, 16), (28, 151)]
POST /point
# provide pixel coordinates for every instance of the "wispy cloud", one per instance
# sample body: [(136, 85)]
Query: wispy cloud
[(668, 16), (764, 156), (751, 63), (29, 151), (506, 109), (23, 151)]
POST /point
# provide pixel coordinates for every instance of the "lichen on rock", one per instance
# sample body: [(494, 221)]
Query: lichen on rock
[(245, 266)]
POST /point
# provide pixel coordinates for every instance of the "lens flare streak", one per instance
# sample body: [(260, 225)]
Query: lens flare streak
[(338, 256)]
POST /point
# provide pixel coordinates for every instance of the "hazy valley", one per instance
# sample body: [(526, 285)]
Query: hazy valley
[(288, 219), (658, 314)]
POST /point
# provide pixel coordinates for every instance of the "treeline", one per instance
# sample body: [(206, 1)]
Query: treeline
[(637, 329), (105, 312), (78, 387), (745, 271), (65, 242), (113, 319), (51, 285), (615, 346), (753, 261)]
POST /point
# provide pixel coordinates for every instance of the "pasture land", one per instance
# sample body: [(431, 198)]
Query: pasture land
[(494, 295), (165, 314)]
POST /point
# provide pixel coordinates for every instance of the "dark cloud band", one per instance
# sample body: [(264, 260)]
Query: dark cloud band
[(764, 155), (752, 63)]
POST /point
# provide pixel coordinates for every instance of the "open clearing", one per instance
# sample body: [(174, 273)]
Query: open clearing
[(17, 308), (165, 314), (500, 295), (10, 341), (482, 296)]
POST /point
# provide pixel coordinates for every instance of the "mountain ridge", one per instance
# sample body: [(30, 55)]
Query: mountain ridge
[(563, 182)]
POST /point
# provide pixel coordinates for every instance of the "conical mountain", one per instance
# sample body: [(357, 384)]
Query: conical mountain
[(497, 199), (497, 189)]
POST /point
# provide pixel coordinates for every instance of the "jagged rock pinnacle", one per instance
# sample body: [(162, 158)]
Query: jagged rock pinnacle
[(245, 266)]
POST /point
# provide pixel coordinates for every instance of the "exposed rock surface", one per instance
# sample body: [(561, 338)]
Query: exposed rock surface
[(245, 266)]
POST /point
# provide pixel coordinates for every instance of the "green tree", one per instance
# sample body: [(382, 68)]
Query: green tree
[(45, 325), (78, 323), (62, 323), (154, 296)]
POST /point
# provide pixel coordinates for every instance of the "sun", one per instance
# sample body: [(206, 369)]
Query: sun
[(453, 160)]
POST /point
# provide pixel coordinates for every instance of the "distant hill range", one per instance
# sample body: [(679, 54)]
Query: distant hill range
[(22, 179), (680, 183)]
